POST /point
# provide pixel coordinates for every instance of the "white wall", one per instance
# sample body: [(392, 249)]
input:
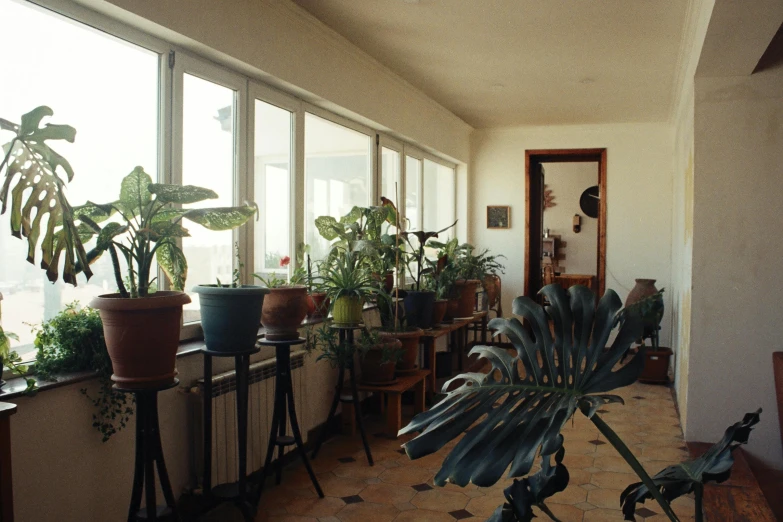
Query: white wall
[(639, 188), (567, 182), (737, 257)]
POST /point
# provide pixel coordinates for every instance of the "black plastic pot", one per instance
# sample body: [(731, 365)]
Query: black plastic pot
[(230, 317), (418, 309)]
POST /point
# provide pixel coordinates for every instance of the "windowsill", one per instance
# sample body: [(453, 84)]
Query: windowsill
[(14, 388)]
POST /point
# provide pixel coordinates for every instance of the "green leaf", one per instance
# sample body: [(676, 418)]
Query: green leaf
[(134, 192), (109, 232), (164, 229), (329, 228), (172, 260), (94, 211), (713, 466), (524, 401), (352, 216), (38, 192), (167, 214), (225, 218), (181, 193)]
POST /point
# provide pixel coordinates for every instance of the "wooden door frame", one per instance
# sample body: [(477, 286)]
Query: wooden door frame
[(563, 156)]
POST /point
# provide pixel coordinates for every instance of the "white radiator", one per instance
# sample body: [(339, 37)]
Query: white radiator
[(261, 396)]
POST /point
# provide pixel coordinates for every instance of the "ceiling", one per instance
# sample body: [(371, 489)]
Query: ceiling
[(497, 63)]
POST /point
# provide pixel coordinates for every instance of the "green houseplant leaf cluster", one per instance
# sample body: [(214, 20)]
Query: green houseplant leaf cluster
[(33, 179), (150, 228)]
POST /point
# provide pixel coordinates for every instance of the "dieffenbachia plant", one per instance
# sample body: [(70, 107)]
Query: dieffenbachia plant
[(33, 176), (151, 227), (517, 410)]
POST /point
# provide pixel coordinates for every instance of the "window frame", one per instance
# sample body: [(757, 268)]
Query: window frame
[(386, 142)]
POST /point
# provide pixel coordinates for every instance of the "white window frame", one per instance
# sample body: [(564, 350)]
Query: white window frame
[(386, 142)]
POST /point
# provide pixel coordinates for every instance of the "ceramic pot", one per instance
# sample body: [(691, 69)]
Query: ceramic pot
[(467, 297), (410, 346), (283, 312), (317, 305), (142, 337), (656, 366), (418, 309), (230, 317), (644, 288), (373, 370), (347, 310), (439, 311), (492, 287), (452, 307)]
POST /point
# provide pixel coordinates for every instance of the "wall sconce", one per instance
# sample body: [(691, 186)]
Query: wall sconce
[(577, 223)]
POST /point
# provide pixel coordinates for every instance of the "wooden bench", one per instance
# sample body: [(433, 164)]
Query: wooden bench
[(393, 395), (740, 498)]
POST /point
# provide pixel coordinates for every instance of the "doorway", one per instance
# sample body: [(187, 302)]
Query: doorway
[(550, 254)]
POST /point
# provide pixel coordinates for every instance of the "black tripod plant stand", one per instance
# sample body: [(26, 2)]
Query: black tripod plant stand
[(284, 396), (236, 492), (346, 336), (149, 453)]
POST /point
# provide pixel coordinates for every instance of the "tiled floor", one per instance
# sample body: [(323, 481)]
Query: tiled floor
[(398, 489)]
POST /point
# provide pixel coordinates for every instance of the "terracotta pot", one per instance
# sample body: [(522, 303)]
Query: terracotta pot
[(347, 310), (467, 297), (452, 307), (439, 311), (388, 282), (410, 346), (777, 368), (644, 288), (373, 371), (317, 305), (142, 337), (491, 286), (656, 366), (284, 310)]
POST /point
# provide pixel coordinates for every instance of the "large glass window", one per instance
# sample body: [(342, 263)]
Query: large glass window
[(108, 90), (208, 160), (412, 193), (337, 175), (272, 186), (390, 174), (439, 197)]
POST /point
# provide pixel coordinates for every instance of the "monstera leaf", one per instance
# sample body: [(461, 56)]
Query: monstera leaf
[(31, 166), (522, 404), (681, 479), (523, 494)]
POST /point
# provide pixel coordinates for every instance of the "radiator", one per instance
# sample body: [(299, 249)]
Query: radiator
[(261, 396)]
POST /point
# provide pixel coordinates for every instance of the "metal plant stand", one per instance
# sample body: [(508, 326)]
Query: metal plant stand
[(236, 492), (346, 336), (149, 453), (284, 395)]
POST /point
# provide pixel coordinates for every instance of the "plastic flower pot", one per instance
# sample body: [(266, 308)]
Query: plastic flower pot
[(230, 317), (347, 310), (142, 337), (418, 309), (283, 312)]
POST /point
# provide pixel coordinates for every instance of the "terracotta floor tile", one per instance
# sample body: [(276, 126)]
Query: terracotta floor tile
[(287, 518), (605, 498), (611, 463), (315, 507), (334, 486), (365, 511), (358, 470), (564, 513), (572, 495), (405, 475), (603, 515), (612, 480), (387, 493), (485, 506), (423, 515), (439, 499)]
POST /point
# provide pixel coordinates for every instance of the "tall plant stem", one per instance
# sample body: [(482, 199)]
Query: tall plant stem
[(698, 489), (637, 467), (397, 258)]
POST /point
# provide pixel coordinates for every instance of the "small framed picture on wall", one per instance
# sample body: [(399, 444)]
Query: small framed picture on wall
[(498, 217)]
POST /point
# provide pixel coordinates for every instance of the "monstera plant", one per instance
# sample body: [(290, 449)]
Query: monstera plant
[(516, 411), (33, 177)]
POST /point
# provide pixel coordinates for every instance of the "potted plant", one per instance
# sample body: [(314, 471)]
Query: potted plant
[(304, 274), (447, 263), (656, 360), (419, 301), (471, 274), (378, 357), (394, 325), (73, 341), (142, 325), (348, 284), (231, 313), (441, 282), (284, 308)]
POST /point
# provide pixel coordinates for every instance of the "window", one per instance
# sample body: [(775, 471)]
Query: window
[(209, 134), (390, 174), (439, 187), (337, 175), (412, 191), (107, 89), (272, 185)]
